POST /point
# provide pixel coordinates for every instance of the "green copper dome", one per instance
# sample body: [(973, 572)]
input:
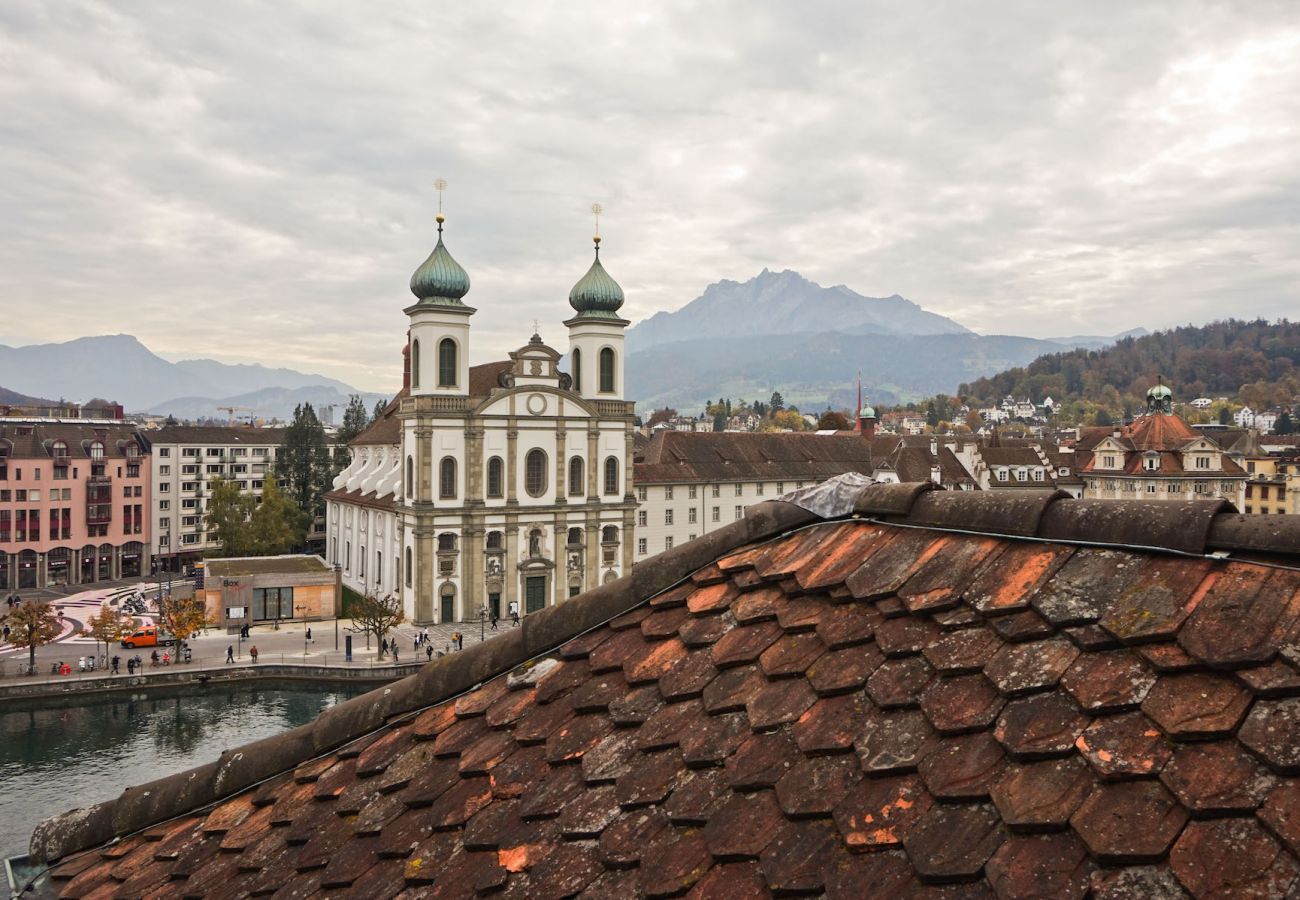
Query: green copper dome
[(1160, 391), (867, 413), (596, 294), (440, 280)]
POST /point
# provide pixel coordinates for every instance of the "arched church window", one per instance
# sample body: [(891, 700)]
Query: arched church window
[(535, 472), (606, 370), (446, 542), (494, 477), (611, 475), (577, 370), (495, 540), (415, 364), (609, 534), (575, 537), (576, 487), (446, 363), (447, 478)]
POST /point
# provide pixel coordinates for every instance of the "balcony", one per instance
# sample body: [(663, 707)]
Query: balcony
[(615, 408)]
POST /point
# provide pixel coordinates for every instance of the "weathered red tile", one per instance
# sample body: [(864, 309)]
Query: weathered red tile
[(785, 558), (1281, 812), (1129, 821), (676, 596), (1240, 617), (660, 659), (635, 706), (744, 644), (899, 683), (575, 737), (1018, 627), (1155, 605), (714, 598), (518, 771), (698, 796), (1009, 581), (626, 838), (596, 694), (1197, 705), (879, 812), (581, 646), (956, 618), (1273, 731), (484, 829), (743, 826), (1218, 777), (1168, 657), (1019, 669), (664, 623), (953, 842), (557, 789), (939, 583), (733, 881), (481, 757), (1081, 590), (894, 741), (747, 581), (589, 814), (509, 708), (791, 655), (799, 614), (701, 631), (1231, 858), (710, 574), (675, 866), (380, 754), (665, 728), (729, 691), (1276, 679), (651, 779), (611, 758), (762, 760), (794, 862), (741, 559), (888, 873), (432, 722), (1124, 746), (338, 777), (905, 636), (961, 704), (962, 652), (538, 723), (1041, 865), (757, 605), (1040, 726), (1041, 796), (888, 569), (841, 559), (841, 671), (1136, 883), (630, 618), (775, 703), (814, 786), (1107, 682), (476, 702), (714, 738), (688, 677), (848, 624), (831, 724), (963, 767), (1091, 638), (610, 655), (455, 807), (563, 872)]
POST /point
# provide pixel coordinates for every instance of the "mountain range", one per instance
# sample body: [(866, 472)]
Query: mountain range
[(780, 331), (119, 367)]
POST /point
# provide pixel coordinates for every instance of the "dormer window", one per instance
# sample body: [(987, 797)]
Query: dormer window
[(1151, 462), (1108, 461), (97, 451)]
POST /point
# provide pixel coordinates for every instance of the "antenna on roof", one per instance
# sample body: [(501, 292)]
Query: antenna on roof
[(440, 185)]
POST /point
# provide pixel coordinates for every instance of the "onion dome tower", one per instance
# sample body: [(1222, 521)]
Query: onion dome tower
[(439, 332), (596, 330), (1160, 400)]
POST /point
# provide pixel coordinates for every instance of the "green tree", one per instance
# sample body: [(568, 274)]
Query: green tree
[(777, 403), (1225, 415), (108, 626), (277, 525), (304, 461), (355, 419), (380, 406), (33, 624), (1284, 425), (661, 415), (833, 420), (374, 615), (227, 517)]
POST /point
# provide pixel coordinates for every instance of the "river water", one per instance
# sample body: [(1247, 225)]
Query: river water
[(56, 755)]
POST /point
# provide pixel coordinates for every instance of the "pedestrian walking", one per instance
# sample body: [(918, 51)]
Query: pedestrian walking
[(428, 651), (230, 653), (383, 647), (308, 634), (514, 612), (252, 652), (130, 667), (117, 660), (494, 619), (395, 657), (153, 658)]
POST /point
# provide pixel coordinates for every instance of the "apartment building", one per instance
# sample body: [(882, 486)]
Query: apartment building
[(72, 503), (691, 483), (185, 459)]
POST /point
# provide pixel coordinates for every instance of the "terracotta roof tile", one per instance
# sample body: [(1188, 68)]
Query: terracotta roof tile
[(986, 715)]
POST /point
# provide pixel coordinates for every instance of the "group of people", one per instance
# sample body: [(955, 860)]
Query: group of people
[(230, 653)]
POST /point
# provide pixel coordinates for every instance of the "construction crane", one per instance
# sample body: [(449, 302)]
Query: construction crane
[(231, 410)]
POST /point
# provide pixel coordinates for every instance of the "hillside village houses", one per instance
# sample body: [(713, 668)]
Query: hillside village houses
[(494, 487)]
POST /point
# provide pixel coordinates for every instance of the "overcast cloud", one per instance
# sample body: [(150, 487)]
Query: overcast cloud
[(253, 181)]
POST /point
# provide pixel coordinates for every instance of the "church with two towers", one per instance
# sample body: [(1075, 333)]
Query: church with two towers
[(485, 486)]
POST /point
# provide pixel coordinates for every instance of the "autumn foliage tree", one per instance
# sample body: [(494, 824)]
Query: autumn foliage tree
[(182, 617), (109, 625), (377, 616), (33, 624)]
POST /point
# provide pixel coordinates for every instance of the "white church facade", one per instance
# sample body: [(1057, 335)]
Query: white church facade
[(497, 484)]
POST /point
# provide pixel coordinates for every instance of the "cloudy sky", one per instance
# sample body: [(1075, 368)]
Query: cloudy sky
[(253, 181)]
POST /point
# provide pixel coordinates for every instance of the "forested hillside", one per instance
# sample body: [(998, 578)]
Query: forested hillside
[(1256, 363)]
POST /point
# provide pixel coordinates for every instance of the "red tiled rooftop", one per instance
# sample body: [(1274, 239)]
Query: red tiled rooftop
[(787, 722)]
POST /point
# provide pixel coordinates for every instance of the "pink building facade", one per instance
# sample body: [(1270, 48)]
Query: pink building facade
[(74, 504)]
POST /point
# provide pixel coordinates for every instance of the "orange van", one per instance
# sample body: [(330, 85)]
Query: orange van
[(147, 636)]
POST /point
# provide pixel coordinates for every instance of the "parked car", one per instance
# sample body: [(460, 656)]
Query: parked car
[(148, 636)]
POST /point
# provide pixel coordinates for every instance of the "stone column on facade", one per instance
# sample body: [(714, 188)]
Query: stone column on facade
[(629, 516), (561, 465), (42, 571), (591, 577), (510, 574), (560, 589), (629, 454), (593, 461), (512, 462), (423, 464), (471, 570), (473, 464), (425, 563), (115, 570)]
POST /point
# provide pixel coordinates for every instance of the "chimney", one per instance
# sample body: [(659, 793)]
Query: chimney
[(406, 365), (934, 446)]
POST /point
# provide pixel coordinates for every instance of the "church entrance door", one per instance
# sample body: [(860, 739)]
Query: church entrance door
[(448, 603), (535, 592)]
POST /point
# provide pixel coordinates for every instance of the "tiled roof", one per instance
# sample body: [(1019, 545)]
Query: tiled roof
[(676, 456), (869, 706), (1003, 455), (483, 379), (387, 429), (372, 500), (295, 564), (218, 434), (34, 440)]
